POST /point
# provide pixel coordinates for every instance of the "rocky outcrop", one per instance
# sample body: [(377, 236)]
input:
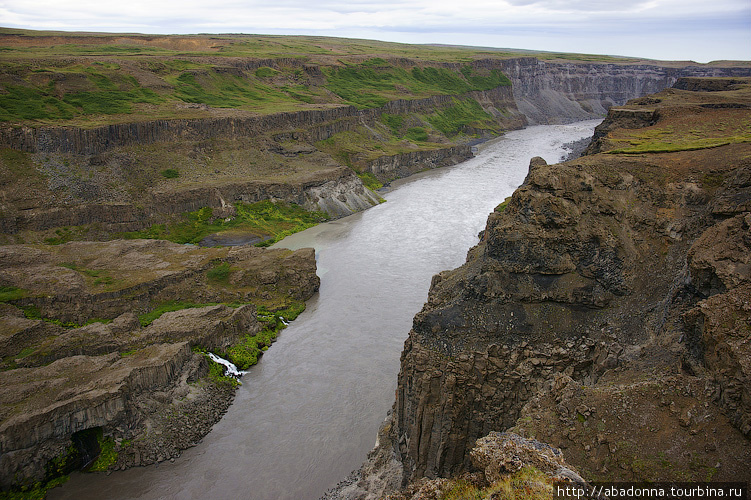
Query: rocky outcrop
[(130, 378), (502, 464), (45, 406), (80, 281), (604, 311), (388, 168)]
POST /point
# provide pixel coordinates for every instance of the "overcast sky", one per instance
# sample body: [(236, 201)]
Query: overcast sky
[(699, 30)]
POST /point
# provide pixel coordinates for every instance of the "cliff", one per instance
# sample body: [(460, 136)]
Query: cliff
[(221, 150), (108, 338), (604, 311), (549, 92)]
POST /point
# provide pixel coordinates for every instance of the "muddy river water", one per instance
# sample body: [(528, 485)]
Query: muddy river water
[(308, 413)]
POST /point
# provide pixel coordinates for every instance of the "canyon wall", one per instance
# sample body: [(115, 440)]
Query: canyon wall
[(90, 172), (562, 92), (604, 311)]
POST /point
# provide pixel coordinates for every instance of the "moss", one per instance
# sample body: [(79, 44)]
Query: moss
[(170, 173), (216, 374), (370, 181), (107, 454), (11, 293), (502, 206), (264, 218), (525, 484)]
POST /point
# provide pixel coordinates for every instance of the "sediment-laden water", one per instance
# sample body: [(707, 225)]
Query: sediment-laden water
[(308, 413)]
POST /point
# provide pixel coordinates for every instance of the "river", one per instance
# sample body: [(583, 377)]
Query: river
[(308, 413)]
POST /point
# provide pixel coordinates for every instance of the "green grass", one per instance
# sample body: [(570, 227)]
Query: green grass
[(66, 234), (416, 134), (394, 122), (668, 139), (219, 273), (266, 72), (275, 220), (375, 82), (246, 353), (170, 173), (225, 90), (11, 293), (23, 103), (672, 147), (452, 120)]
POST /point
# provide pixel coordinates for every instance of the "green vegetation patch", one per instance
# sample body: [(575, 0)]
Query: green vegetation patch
[(107, 454), (503, 205), (375, 82), (219, 273), (216, 374), (265, 72), (28, 103), (170, 173), (526, 484), (394, 122), (369, 180), (224, 90), (452, 120), (246, 353), (274, 220), (11, 293), (669, 140), (416, 134), (66, 234), (111, 102)]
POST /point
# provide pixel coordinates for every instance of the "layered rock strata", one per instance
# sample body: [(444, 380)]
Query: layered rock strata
[(548, 92)]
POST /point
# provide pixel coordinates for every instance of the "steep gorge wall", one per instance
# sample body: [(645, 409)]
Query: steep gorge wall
[(604, 310), (562, 92), (314, 125)]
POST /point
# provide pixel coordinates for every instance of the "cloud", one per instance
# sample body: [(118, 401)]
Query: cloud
[(691, 22)]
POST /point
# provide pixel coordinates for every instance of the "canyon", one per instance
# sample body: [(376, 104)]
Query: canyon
[(605, 311), (594, 270)]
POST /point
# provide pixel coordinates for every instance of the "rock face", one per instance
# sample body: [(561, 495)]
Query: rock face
[(138, 382), (108, 177), (604, 311), (554, 92), (387, 168)]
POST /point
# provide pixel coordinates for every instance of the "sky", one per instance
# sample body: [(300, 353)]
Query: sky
[(698, 30)]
